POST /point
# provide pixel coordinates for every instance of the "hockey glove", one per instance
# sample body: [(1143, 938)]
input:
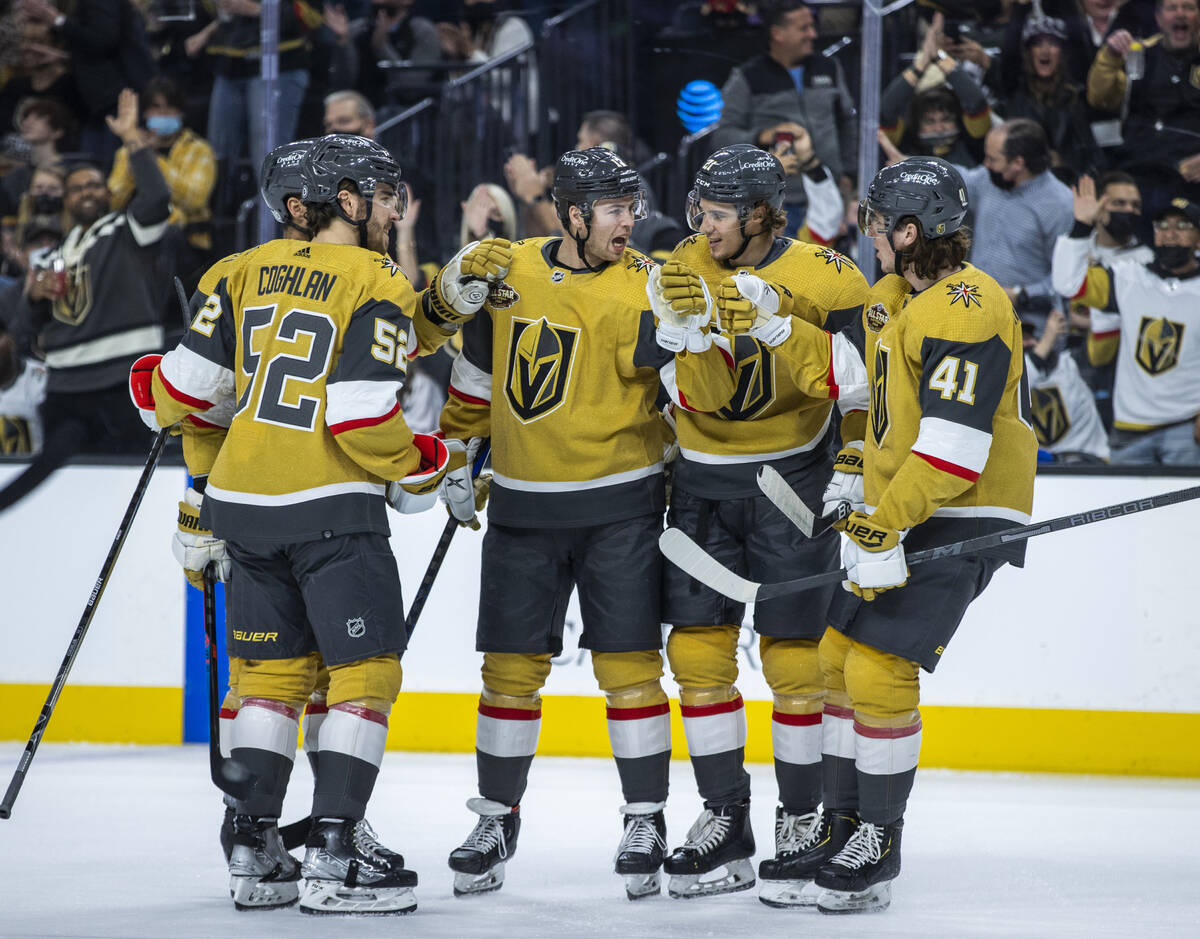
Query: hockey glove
[(195, 547), (463, 495), (682, 308), (748, 304), (141, 380), (873, 557), (846, 484), (461, 287), (418, 491)]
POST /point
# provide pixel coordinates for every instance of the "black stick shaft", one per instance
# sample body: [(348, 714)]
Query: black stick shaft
[(210, 661), (995, 540), (89, 610), (431, 572)]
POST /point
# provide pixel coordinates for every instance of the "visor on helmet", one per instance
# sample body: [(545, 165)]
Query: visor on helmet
[(871, 221)]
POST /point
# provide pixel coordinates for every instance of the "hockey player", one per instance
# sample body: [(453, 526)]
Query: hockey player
[(1156, 397), (774, 296), (949, 455), (561, 370), (302, 351)]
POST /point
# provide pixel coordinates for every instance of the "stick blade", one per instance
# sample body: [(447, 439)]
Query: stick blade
[(785, 498), (231, 777), (689, 557)]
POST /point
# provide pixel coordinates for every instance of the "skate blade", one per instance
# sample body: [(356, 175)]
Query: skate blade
[(875, 899), (468, 885), (789, 894), (640, 886), (254, 893), (333, 897), (729, 878)]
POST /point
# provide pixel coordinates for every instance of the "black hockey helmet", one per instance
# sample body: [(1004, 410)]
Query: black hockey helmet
[(583, 177), (927, 188), (336, 157), (280, 177), (742, 175)]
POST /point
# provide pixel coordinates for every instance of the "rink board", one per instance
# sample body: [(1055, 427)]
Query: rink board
[(1085, 661)]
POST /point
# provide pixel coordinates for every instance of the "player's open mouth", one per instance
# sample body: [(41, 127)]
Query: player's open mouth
[(619, 243)]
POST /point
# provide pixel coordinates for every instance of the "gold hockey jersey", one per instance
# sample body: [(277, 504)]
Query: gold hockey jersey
[(782, 404), (949, 432), (300, 350), (561, 370)]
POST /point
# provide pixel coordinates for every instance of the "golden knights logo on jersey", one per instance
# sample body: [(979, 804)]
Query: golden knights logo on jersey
[(879, 409), (1050, 421), (15, 436), (540, 355), (76, 303), (755, 380), (1158, 344)]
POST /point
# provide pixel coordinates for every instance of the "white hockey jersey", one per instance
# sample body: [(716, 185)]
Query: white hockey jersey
[(1158, 362), (1065, 418), (20, 421)]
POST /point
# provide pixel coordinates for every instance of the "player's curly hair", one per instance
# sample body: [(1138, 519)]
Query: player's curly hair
[(773, 219), (929, 256), (321, 214)]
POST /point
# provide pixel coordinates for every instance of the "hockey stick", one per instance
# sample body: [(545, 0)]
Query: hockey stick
[(439, 551), (228, 774), (690, 557), (788, 501), (89, 610)]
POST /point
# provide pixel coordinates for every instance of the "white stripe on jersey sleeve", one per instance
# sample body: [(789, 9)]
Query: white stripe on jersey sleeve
[(850, 375), (471, 380), (666, 375), (359, 400), (198, 377), (1102, 322), (146, 234), (953, 443)]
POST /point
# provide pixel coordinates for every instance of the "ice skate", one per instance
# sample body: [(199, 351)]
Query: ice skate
[(640, 853), (478, 863), (802, 844), (344, 874), (715, 857), (858, 879), (226, 833), (262, 875)]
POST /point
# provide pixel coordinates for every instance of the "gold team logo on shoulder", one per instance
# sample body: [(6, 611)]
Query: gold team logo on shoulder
[(1158, 344), (540, 355), (1050, 421), (641, 264), (389, 265), (967, 293), (876, 317), (833, 257), (755, 379), (501, 296), (880, 422)]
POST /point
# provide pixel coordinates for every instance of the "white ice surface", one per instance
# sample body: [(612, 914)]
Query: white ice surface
[(122, 841)]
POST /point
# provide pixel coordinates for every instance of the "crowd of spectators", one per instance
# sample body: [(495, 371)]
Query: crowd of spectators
[(1025, 96)]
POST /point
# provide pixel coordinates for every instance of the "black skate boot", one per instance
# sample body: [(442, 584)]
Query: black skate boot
[(226, 833), (478, 863), (858, 879), (802, 844), (721, 843), (262, 875), (640, 853), (343, 874)]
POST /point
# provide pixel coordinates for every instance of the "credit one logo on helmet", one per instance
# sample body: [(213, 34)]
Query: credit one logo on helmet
[(921, 179)]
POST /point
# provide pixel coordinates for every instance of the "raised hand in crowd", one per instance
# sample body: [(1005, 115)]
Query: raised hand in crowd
[(39, 11), (1189, 169), (1086, 203), (125, 125), (337, 22), (457, 41), (1056, 325), (524, 178), (1119, 42), (890, 150)]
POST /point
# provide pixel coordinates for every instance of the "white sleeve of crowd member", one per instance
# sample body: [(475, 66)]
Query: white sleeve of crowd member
[(1103, 324), (1069, 265), (825, 205)]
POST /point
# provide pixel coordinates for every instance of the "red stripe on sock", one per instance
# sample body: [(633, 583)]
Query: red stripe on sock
[(637, 714), (269, 705), (367, 714), (834, 710), (312, 710), (886, 733), (704, 710), (227, 714), (796, 720), (509, 714)]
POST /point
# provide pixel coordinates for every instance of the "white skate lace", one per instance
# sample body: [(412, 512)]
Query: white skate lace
[(367, 841), (487, 834), (863, 847), (708, 832), (641, 836), (798, 833)]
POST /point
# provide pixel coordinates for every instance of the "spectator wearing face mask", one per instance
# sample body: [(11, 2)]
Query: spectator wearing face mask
[(42, 124), (935, 108), (185, 160), (42, 200), (1156, 400)]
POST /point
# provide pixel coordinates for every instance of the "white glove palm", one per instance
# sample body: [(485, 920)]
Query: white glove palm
[(682, 307)]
